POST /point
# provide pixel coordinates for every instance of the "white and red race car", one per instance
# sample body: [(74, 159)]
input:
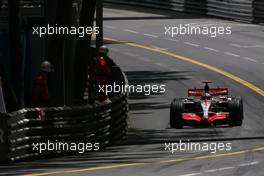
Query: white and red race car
[(206, 107)]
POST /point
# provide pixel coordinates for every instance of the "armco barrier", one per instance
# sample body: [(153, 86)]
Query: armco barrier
[(192, 6), (231, 9), (98, 123), (102, 123), (258, 11), (30, 8), (242, 10), (177, 5), (4, 132)]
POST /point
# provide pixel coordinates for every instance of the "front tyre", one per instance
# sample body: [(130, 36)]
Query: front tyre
[(176, 110), (236, 112)]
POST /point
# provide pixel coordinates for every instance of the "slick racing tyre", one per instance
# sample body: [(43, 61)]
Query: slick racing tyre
[(236, 113), (176, 110)]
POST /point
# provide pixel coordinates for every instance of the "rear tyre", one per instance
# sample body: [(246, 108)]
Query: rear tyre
[(236, 113), (176, 110)]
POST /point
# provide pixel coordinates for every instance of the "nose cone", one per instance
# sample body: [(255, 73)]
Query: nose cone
[(205, 122)]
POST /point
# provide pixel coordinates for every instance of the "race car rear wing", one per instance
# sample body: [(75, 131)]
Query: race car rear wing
[(212, 91)]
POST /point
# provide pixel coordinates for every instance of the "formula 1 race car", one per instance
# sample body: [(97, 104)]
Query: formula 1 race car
[(206, 107)]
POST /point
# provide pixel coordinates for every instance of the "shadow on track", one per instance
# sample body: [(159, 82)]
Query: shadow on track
[(151, 78)]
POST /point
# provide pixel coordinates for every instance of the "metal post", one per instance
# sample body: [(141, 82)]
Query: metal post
[(17, 74), (99, 23), (2, 99)]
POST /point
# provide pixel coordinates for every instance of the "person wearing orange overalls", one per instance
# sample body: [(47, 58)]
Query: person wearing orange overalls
[(40, 90), (102, 72)]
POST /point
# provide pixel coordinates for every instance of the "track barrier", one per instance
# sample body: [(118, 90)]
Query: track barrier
[(251, 11), (102, 122)]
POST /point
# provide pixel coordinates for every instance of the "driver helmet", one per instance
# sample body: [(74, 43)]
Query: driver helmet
[(206, 96), (46, 66)]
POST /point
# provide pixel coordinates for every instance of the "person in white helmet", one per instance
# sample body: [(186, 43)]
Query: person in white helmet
[(40, 90), (103, 51)]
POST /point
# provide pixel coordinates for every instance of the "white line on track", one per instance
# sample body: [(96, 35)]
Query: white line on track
[(235, 45), (151, 35), (246, 46), (219, 169), (231, 54), (144, 59), (173, 40), (223, 168), (131, 31), (224, 24), (159, 48), (192, 44), (211, 49), (248, 164), (254, 46), (129, 54), (161, 65), (192, 174), (203, 22), (249, 59)]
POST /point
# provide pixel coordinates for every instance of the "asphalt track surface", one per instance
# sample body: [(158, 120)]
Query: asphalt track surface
[(138, 44)]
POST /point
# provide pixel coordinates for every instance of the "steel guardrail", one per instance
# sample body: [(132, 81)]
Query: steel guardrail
[(258, 11), (103, 123), (240, 10), (231, 9)]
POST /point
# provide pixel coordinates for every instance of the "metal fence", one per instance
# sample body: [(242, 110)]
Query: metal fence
[(242, 10), (102, 123)]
